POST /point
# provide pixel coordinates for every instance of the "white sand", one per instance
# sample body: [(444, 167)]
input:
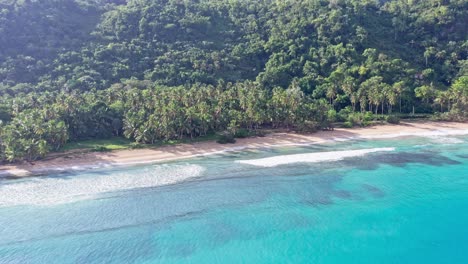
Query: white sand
[(74, 161)]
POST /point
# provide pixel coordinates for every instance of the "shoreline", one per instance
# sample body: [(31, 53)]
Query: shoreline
[(93, 160)]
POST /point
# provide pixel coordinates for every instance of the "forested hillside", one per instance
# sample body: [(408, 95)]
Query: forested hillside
[(155, 70)]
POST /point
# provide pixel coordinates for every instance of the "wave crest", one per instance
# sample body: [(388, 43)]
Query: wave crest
[(311, 157), (429, 134)]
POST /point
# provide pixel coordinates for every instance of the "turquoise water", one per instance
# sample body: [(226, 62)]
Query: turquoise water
[(407, 203)]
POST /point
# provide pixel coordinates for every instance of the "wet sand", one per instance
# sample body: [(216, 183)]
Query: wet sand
[(79, 161)]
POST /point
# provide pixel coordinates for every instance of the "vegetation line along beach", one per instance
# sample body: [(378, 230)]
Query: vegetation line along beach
[(77, 161), (154, 72), (247, 131)]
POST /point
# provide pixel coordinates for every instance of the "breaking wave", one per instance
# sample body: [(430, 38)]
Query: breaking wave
[(311, 157), (57, 190)]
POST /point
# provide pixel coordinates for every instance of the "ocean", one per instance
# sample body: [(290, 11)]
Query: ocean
[(387, 200)]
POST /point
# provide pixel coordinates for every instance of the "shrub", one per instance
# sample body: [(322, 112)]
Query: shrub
[(136, 145), (260, 133), (454, 115), (332, 116), (242, 133), (392, 119), (226, 138), (379, 118), (368, 116), (359, 119), (366, 123), (342, 116), (100, 148), (308, 126), (347, 124)]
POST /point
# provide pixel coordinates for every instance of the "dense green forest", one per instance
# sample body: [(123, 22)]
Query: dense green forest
[(156, 70)]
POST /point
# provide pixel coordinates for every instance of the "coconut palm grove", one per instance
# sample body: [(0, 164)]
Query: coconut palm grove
[(153, 71)]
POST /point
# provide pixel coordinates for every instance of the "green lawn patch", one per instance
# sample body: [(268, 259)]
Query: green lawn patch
[(118, 143), (114, 143)]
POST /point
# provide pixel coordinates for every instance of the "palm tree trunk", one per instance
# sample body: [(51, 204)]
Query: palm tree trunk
[(400, 104)]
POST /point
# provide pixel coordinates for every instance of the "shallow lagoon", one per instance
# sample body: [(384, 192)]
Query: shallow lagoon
[(405, 204)]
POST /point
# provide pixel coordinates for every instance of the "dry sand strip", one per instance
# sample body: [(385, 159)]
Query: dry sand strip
[(71, 161)]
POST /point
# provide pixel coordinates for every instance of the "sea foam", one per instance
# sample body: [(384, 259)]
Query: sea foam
[(57, 190), (428, 134), (311, 157), (445, 140)]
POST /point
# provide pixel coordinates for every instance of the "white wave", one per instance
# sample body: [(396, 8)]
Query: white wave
[(311, 157), (442, 136), (445, 140), (430, 134), (57, 190)]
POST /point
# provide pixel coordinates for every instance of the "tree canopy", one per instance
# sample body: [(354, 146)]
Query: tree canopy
[(154, 70)]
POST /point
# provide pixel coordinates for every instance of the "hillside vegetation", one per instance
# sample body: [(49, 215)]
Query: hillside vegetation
[(159, 70)]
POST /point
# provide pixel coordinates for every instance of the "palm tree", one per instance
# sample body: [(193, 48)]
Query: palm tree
[(425, 92), (398, 90), (442, 98), (391, 97), (331, 92), (349, 85)]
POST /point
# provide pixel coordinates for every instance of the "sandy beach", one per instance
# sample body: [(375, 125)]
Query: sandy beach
[(79, 161)]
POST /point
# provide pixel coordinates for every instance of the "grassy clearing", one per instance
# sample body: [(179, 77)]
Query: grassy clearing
[(119, 143), (114, 143)]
